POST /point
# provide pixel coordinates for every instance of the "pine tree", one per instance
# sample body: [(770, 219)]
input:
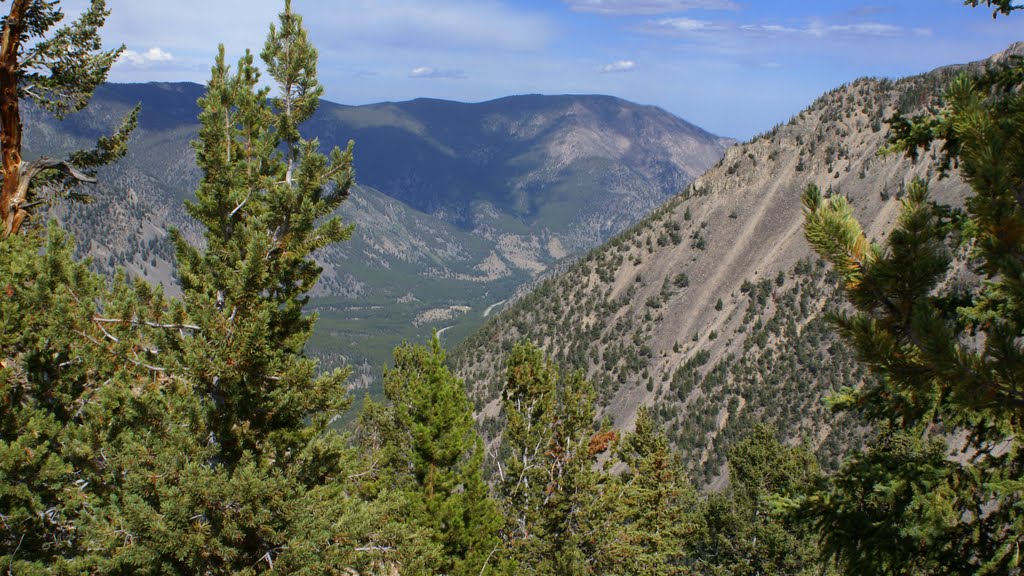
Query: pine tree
[(58, 71), (550, 486), (435, 458), (949, 357), (145, 436), (528, 404), (60, 372), (740, 531), (649, 515), (78, 375), (263, 482)]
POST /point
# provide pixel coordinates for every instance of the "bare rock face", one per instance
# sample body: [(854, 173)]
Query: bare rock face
[(712, 309)]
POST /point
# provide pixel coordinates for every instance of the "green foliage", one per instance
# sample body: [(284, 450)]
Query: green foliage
[(60, 71), (434, 457), (899, 501), (1004, 7), (146, 436), (264, 212), (948, 357), (740, 532), (649, 515), (74, 389), (548, 482)]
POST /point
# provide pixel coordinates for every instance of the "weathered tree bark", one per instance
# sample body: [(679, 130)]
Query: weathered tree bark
[(11, 212)]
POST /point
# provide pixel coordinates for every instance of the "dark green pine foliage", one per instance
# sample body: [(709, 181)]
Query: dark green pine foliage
[(949, 353), (741, 530), (434, 457), (81, 391), (650, 514), (550, 485)]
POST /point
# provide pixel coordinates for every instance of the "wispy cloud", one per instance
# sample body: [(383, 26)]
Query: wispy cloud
[(434, 73), (195, 27), (153, 55), (771, 29), (867, 29), (818, 29), (690, 27), (634, 7), (679, 26), (618, 66)]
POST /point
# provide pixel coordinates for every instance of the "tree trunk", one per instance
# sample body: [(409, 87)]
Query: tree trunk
[(11, 197)]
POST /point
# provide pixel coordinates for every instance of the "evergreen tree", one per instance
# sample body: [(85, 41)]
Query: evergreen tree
[(528, 404), (81, 390), (435, 457), (262, 208), (58, 70), (649, 515), (76, 377), (740, 530), (948, 354), (144, 436), (263, 483), (550, 486)]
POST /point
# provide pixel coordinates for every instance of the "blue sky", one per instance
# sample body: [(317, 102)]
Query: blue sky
[(733, 67)]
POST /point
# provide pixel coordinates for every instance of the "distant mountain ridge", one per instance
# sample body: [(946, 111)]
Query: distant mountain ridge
[(590, 163), (458, 204)]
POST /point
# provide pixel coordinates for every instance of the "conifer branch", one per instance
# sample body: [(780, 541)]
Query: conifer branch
[(134, 322)]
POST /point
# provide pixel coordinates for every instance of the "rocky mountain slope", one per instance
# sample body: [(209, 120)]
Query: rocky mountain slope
[(458, 204), (711, 310)]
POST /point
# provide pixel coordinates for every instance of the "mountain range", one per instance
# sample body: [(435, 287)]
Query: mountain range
[(457, 205)]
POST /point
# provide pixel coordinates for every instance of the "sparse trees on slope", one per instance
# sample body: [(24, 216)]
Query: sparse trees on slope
[(949, 354), (58, 70)]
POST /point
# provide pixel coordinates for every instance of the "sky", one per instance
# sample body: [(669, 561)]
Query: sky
[(732, 67)]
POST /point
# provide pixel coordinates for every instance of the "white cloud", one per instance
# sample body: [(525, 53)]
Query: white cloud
[(618, 66), (633, 7), (818, 29), (154, 54), (867, 29), (679, 26), (434, 73), (193, 28), (771, 29)]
